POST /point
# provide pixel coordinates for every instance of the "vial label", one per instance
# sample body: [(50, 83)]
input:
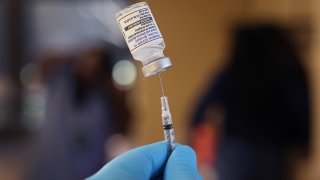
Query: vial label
[(138, 27)]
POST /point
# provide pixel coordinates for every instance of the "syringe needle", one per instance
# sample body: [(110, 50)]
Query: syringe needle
[(161, 85)]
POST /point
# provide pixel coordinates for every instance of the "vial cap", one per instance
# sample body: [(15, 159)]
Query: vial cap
[(156, 66)]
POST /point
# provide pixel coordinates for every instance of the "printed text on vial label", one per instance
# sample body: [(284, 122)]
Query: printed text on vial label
[(139, 28)]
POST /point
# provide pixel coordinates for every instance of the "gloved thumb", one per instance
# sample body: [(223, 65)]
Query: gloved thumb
[(182, 164)]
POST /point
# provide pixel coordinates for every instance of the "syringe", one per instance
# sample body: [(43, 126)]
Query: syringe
[(167, 121)]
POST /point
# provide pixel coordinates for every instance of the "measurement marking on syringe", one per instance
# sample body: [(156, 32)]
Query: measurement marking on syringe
[(168, 126)]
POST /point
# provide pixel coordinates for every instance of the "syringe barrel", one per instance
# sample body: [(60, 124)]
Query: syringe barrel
[(167, 124)]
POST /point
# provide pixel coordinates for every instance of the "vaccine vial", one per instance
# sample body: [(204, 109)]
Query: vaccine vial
[(143, 38)]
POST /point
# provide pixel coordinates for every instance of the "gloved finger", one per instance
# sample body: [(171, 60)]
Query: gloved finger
[(182, 164), (159, 177), (140, 163)]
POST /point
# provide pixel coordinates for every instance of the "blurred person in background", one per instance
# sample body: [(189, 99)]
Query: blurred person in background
[(83, 110), (257, 111)]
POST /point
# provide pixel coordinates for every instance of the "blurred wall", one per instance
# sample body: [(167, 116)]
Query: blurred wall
[(197, 35), (315, 80)]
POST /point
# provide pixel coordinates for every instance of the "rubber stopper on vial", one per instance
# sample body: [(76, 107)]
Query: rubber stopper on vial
[(156, 67)]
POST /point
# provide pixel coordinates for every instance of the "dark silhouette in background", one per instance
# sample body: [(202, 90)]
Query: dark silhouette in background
[(263, 94)]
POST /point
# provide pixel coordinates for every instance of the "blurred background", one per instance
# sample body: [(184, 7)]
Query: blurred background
[(72, 98)]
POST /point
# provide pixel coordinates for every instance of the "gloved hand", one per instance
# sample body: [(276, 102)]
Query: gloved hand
[(151, 162)]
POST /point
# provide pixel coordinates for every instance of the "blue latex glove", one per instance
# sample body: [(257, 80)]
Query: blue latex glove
[(151, 162)]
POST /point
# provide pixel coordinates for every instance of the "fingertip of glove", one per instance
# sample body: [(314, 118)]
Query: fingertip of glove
[(161, 145), (185, 150), (184, 154), (182, 164)]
